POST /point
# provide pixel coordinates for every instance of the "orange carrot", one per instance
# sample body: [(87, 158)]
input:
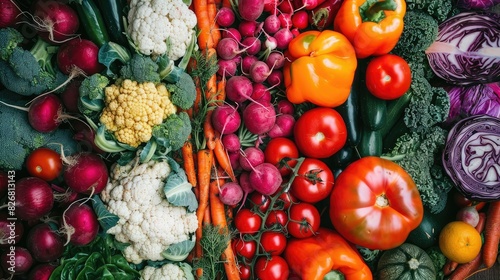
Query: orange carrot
[(222, 158), (188, 160), (218, 212), (205, 39), (226, 3), (449, 267), (491, 234), (205, 160), (221, 90), (212, 16), (481, 223), (209, 131), (467, 269)]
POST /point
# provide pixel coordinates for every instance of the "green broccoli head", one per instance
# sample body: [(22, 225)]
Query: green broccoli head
[(183, 92), (173, 132), (91, 101), (438, 9), (10, 38), (141, 69)]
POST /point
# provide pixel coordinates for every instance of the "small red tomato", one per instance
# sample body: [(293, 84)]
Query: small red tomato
[(304, 220), (271, 268), (279, 148), (247, 221), (320, 132), (44, 163), (259, 202), (276, 218), (244, 248), (314, 181), (273, 242), (388, 76)]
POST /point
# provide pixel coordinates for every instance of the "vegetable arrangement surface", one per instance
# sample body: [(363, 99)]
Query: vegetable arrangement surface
[(259, 139)]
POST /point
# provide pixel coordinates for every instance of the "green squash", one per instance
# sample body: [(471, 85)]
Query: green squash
[(406, 262)]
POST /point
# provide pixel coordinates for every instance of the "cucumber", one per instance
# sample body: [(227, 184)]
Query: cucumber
[(113, 14), (92, 21), (373, 109), (349, 111), (371, 143), (343, 157)]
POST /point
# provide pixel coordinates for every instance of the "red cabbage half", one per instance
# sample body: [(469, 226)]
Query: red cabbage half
[(476, 4), (478, 99), (467, 48), (471, 157)]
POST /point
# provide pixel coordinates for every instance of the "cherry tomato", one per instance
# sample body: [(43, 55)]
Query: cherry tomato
[(44, 163), (245, 271), (279, 148), (259, 202), (271, 268), (286, 199), (273, 242), (244, 248), (388, 76), (314, 181), (320, 132), (247, 221), (304, 220), (276, 218)]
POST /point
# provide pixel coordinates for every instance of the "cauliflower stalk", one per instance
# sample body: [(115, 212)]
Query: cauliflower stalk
[(161, 27), (169, 271), (133, 109), (155, 225)]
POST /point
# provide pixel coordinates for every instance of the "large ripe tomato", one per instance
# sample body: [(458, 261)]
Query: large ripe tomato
[(388, 76), (320, 132), (279, 148), (304, 220), (247, 221), (44, 163), (375, 204), (314, 181), (244, 248), (271, 268), (273, 242)]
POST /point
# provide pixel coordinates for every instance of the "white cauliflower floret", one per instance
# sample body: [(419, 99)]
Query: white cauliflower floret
[(147, 221), (158, 27), (168, 271)]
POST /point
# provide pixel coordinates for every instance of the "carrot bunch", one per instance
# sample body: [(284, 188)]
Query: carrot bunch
[(204, 153)]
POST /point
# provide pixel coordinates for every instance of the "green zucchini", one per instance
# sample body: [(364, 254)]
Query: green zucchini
[(113, 14), (343, 157), (373, 109), (92, 21), (371, 143), (349, 111)]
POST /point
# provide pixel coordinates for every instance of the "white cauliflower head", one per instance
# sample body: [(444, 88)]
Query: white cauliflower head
[(169, 271), (161, 27), (147, 221)]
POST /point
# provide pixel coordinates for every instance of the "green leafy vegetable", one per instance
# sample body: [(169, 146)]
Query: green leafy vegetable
[(106, 219), (109, 54), (179, 251), (214, 240), (178, 190)]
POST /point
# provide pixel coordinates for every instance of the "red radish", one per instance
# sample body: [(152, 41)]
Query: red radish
[(227, 67), (271, 6), (245, 184), (231, 142), (283, 126), (300, 19), (248, 28), (234, 158), (9, 13), (11, 232), (64, 197), (41, 271), (86, 173), (230, 193), (265, 178), (4, 183), (261, 93), (70, 95), (17, 260), (285, 107), (228, 48), (79, 53), (252, 45), (259, 71), (247, 62), (272, 24), (238, 89), (251, 157), (310, 4), (286, 6), (283, 38), (80, 224), (285, 20), (469, 215), (275, 59), (226, 119), (34, 198), (225, 17), (259, 118), (250, 9), (44, 243), (232, 33), (55, 21), (275, 78)]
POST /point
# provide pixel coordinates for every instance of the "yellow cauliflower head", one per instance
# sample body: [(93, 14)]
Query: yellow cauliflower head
[(133, 109)]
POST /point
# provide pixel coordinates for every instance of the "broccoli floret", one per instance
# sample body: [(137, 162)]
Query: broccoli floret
[(141, 69), (18, 138), (173, 132), (9, 40), (183, 92), (91, 101), (438, 259), (28, 72), (438, 9), (419, 155), (419, 32)]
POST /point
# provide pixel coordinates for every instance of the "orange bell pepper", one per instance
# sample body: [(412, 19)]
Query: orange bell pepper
[(372, 26), (320, 68), (325, 254)]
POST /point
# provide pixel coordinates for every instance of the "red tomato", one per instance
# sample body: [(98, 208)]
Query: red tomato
[(314, 181), (271, 268), (375, 204), (245, 271), (273, 242), (279, 148), (276, 218), (247, 221), (259, 202), (286, 199), (304, 220), (320, 132), (44, 163), (388, 76), (244, 248)]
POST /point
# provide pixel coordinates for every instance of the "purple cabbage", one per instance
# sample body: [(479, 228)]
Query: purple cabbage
[(476, 4), (467, 49), (473, 100), (471, 157)]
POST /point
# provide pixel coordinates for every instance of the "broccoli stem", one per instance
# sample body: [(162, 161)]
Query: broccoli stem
[(43, 52)]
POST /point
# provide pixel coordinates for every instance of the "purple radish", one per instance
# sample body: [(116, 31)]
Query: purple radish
[(275, 78), (55, 21), (230, 193), (225, 17), (238, 89), (283, 126), (259, 71), (283, 38), (259, 118), (265, 178), (250, 9), (226, 119), (81, 54), (248, 28), (232, 33), (246, 63), (86, 173), (231, 142), (251, 157), (261, 93), (80, 224), (252, 45), (285, 107), (271, 24)]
